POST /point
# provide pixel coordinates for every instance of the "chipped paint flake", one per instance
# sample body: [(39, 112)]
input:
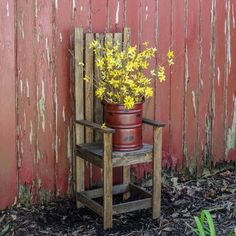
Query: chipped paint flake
[(31, 133), (63, 114), (68, 144), (56, 120), (42, 105), (8, 9), (231, 134), (146, 16), (27, 89), (47, 51), (228, 36), (218, 75), (60, 35), (36, 8), (194, 103), (117, 12), (233, 16), (73, 8), (21, 86), (56, 5)]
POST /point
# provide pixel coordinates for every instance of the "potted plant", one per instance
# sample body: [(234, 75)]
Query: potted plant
[(124, 84)]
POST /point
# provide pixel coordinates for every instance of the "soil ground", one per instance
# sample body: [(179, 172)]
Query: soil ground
[(181, 200)]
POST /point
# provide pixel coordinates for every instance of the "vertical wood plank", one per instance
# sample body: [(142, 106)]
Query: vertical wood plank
[(79, 106), (191, 85), (45, 103), (8, 158), (89, 37), (27, 100), (156, 177), (126, 169), (205, 82), (107, 182), (63, 85), (162, 109), (218, 106), (177, 84), (98, 115), (230, 96)]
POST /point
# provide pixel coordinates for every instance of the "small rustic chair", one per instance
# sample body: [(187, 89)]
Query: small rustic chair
[(89, 110)]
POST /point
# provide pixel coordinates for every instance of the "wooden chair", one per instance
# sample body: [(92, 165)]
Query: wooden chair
[(89, 148)]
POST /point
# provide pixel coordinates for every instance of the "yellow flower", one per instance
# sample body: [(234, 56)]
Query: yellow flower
[(100, 92), (103, 126), (128, 102), (161, 73), (86, 78), (148, 92), (146, 43), (171, 62), (153, 72), (170, 54)]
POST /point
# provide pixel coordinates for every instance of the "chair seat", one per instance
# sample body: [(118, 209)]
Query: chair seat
[(93, 152)]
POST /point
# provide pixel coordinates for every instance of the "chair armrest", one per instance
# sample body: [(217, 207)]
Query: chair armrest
[(95, 126), (153, 122)]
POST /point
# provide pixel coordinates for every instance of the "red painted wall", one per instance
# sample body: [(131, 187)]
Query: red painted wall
[(198, 102)]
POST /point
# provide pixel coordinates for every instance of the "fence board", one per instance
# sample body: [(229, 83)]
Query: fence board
[(8, 160)]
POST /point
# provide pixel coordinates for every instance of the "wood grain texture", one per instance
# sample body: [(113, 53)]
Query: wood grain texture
[(8, 158), (107, 182), (79, 108), (156, 177)]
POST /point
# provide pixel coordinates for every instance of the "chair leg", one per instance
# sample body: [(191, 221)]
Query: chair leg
[(156, 178), (126, 180), (79, 178), (107, 182)]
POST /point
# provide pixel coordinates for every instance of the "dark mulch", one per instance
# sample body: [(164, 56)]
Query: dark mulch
[(181, 200)]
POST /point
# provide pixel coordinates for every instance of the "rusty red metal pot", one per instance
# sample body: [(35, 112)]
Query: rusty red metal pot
[(128, 126)]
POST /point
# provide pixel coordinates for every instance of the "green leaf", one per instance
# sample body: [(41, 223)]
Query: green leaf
[(210, 223), (199, 226)]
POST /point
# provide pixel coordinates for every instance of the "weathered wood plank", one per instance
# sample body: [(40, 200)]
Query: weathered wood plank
[(156, 176), (177, 84), (126, 169), (8, 156), (44, 63), (153, 122), (107, 182), (132, 206), (130, 160), (163, 92), (230, 96), (88, 93), (88, 156), (191, 147), (79, 107), (117, 189), (90, 203), (95, 126), (27, 100), (218, 86), (205, 88)]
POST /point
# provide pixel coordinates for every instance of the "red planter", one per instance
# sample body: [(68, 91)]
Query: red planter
[(128, 126)]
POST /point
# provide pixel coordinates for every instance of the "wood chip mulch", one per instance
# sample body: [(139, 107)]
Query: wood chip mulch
[(181, 201)]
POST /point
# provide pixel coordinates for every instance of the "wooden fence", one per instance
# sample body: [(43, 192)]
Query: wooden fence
[(198, 102)]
